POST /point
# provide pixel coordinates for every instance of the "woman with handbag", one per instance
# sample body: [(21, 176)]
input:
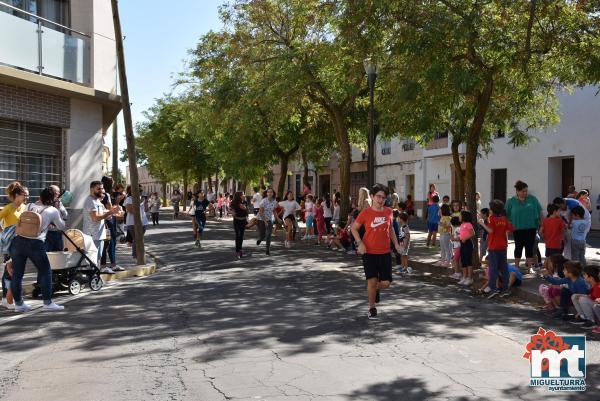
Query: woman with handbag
[(110, 243), (9, 216)]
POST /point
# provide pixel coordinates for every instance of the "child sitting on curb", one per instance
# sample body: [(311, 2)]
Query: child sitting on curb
[(588, 307), (341, 241), (575, 285), (515, 279), (551, 293)]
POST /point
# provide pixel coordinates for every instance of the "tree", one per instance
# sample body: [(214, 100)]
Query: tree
[(314, 45), (491, 66), (133, 172)]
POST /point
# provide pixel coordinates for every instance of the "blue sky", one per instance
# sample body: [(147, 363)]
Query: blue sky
[(157, 39)]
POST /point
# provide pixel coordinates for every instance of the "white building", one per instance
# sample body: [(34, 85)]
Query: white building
[(57, 93), (567, 154)]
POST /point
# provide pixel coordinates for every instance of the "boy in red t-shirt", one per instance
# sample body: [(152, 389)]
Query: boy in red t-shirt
[(375, 245), (498, 226), (553, 230)]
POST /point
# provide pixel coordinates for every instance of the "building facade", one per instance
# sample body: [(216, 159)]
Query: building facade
[(58, 94), (564, 155)]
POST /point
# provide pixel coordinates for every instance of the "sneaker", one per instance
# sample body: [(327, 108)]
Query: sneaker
[(462, 281), (53, 307), (118, 268), (238, 255), (22, 308), (578, 321), (304, 238), (258, 242), (505, 294), (589, 325), (6, 305), (268, 253), (107, 270), (596, 330), (197, 243), (487, 290), (493, 294), (401, 270), (457, 276), (377, 297), (351, 252), (372, 315), (409, 270), (467, 282)]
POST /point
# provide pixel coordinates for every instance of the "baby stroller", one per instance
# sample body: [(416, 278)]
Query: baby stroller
[(74, 268)]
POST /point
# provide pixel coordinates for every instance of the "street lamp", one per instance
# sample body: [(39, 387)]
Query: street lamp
[(371, 70)]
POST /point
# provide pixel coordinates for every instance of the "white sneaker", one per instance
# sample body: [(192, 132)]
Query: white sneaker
[(53, 307), (286, 244), (22, 308), (457, 276), (468, 282), (107, 270), (487, 290), (409, 270), (462, 281), (6, 305), (118, 268)]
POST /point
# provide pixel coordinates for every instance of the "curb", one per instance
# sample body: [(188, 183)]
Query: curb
[(137, 271), (440, 271)]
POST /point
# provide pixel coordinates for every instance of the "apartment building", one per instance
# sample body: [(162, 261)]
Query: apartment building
[(58, 93)]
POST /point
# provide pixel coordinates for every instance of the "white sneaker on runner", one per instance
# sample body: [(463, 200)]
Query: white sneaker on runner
[(107, 270), (53, 307), (6, 305), (22, 308)]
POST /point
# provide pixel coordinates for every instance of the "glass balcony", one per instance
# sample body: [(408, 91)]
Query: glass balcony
[(29, 45)]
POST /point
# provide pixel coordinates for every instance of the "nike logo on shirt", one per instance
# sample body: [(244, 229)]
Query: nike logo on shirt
[(378, 221)]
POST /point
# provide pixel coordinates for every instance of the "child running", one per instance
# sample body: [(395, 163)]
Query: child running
[(200, 208), (497, 228), (308, 217), (374, 246)]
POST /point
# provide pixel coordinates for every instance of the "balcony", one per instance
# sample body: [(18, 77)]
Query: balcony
[(29, 44)]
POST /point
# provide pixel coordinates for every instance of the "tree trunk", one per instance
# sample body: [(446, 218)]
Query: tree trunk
[(460, 173), (217, 183), (130, 139), (305, 175), (473, 141), (341, 133), (164, 193), (262, 182), (115, 154), (283, 168), (210, 185), (185, 188)]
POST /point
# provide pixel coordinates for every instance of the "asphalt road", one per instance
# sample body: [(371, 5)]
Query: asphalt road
[(289, 327)]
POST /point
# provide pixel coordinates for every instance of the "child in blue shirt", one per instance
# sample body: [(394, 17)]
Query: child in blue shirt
[(575, 285), (579, 230), (433, 219)]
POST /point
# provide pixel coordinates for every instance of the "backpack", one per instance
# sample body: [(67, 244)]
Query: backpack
[(30, 224)]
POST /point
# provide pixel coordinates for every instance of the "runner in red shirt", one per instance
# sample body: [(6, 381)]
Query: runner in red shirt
[(375, 245), (498, 226)]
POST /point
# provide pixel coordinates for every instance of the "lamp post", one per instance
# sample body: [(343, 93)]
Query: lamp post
[(371, 70)]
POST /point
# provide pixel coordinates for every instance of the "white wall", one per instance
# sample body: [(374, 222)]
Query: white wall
[(577, 135), (104, 48), (84, 149)]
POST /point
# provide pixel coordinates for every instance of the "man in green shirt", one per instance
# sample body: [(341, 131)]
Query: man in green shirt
[(525, 213)]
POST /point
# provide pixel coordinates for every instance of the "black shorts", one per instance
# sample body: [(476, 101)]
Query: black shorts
[(550, 252), (291, 218), (466, 254), (524, 239), (378, 266), (328, 225)]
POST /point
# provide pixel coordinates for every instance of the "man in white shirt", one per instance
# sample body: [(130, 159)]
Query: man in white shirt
[(94, 214), (256, 200)]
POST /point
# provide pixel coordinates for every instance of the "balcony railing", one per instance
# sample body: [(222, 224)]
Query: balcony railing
[(29, 45)]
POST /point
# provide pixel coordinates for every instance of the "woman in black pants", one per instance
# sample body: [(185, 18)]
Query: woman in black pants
[(240, 219), (525, 213)]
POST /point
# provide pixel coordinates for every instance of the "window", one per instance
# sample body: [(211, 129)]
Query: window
[(31, 154), (499, 134), (391, 184), (58, 11), (408, 145), (441, 135), (386, 148)]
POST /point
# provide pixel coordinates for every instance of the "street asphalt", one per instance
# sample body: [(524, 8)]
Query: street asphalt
[(290, 327)]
